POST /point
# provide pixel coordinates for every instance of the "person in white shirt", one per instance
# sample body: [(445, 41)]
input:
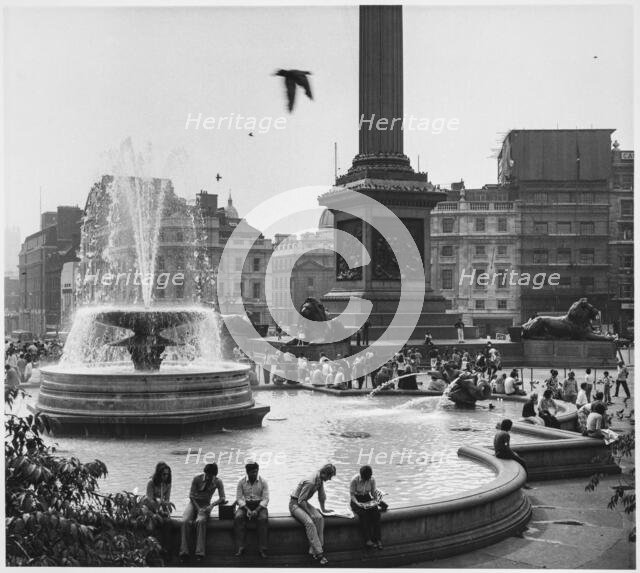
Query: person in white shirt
[(582, 398), (590, 380), (512, 385), (252, 497)]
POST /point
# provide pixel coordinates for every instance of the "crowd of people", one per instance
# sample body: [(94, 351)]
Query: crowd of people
[(20, 359), (251, 505)]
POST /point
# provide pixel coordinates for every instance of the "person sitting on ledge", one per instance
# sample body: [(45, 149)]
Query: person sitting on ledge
[(513, 386), (595, 421), (502, 444), (544, 410), (363, 503), (529, 411), (582, 397), (309, 516), (203, 487), (252, 497)]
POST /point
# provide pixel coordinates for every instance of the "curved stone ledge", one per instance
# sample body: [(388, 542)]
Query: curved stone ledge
[(453, 525)]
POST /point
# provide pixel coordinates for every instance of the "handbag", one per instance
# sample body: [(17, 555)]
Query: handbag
[(226, 511)]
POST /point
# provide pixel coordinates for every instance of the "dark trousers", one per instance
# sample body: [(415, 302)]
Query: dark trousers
[(262, 526), (360, 382), (365, 337), (369, 522), (267, 376), (511, 455), (625, 387)]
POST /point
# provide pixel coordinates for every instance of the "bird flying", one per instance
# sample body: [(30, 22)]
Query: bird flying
[(291, 79), (218, 176)]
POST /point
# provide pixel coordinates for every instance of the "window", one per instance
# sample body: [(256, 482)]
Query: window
[(564, 227), (479, 225), (480, 251), (309, 281), (626, 231), (481, 279), (447, 251), (160, 293), (502, 304), (160, 263), (565, 281), (540, 197), (179, 236), (626, 261), (161, 236), (180, 291), (540, 228), (257, 290), (587, 256), (447, 279), (587, 282), (587, 228), (502, 278), (256, 264), (479, 304), (540, 256), (587, 198), (626, 208), (626, 290), (564, 257), (502, 251), (502, 225), (447, 225)]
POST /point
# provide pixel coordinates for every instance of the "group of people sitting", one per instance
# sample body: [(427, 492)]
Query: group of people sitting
[(345, 373), (251, 505)]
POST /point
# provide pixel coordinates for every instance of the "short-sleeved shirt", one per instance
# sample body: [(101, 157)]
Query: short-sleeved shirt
[(359, 486), (307, 487), (256, 491)]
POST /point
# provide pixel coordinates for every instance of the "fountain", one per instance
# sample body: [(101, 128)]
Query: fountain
[(132, 365)]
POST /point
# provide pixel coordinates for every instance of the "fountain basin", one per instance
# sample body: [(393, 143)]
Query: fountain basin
[(449, 526), (118, 400)]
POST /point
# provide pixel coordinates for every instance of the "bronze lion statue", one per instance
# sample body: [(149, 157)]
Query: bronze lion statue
[(312, 309), (575, 325)]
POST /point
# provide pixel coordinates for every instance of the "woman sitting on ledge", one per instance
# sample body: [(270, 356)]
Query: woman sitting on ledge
[(364, 505), (595, 421), (544, 410)]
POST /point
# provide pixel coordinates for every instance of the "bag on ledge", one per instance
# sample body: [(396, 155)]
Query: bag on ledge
[(227, 511)]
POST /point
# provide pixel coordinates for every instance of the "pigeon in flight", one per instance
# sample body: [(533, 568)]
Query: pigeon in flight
[(291, 78), (218, 176), (251, 134)]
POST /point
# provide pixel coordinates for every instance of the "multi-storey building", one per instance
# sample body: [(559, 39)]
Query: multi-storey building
[(40, 263), (621, 239), (562, 179), (476, 232)]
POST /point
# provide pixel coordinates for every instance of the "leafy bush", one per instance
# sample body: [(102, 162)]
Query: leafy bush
[(624, 491), (54, 512)]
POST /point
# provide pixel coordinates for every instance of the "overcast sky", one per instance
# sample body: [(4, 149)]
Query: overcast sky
[(79, 81)]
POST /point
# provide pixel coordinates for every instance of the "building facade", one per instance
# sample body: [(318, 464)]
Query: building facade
[(476, 232), (11, 304), (311, 260), (562, 179), (41, 258), (621, 263)]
